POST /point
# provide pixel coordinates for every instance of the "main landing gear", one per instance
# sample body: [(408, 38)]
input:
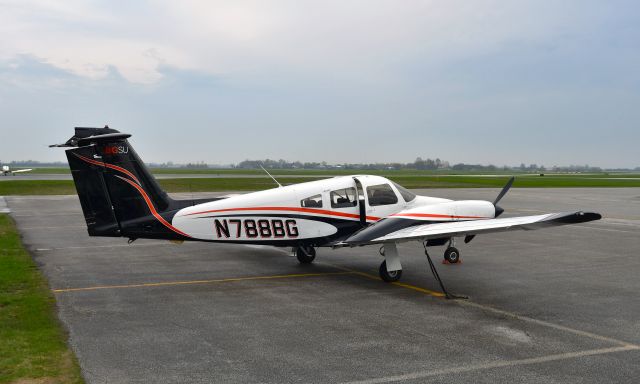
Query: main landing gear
[(451, 254), (389, 276), (305, 254), (391, 270)]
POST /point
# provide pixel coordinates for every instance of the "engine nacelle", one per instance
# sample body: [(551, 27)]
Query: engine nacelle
[(425, 214), (450, 211)]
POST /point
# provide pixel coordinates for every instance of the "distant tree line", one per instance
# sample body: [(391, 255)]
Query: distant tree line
[(418, 164)]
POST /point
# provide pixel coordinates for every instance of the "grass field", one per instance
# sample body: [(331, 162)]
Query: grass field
[(65, 187), (33, 345)]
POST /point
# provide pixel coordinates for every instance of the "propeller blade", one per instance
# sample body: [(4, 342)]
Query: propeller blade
[(504, 190)]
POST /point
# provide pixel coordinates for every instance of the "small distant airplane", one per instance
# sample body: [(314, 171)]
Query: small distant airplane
[(6, 171), (120, 198)]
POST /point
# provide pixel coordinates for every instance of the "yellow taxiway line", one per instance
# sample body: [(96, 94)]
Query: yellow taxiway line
[(170, 283), (399, 284), (249, 278)]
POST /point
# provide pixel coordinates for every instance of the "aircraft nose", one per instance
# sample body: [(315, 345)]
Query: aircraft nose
[(499, 210)]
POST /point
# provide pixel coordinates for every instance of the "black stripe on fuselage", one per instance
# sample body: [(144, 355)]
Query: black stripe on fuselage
[(345, 228), (385, 227)]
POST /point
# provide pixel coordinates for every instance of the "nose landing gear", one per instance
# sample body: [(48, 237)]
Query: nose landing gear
[(451, 254)]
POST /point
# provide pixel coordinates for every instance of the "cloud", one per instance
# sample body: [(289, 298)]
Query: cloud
[(484, 81), (362, 40)]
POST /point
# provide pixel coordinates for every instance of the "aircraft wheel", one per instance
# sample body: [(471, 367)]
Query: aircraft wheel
[(452, 255), (387, 276), (305, 255)]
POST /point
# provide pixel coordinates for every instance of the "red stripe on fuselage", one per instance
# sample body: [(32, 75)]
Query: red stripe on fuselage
[(152, 208), (439, 216), (290, 209)]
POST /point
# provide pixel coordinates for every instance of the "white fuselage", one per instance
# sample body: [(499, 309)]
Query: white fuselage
[(319, 211)]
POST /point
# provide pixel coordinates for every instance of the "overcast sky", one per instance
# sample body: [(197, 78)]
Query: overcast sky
[(502, 82)]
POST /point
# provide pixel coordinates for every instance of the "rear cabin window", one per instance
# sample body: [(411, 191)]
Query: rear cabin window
[(381, 194), (314, 201), (406, 194), (343, 198)]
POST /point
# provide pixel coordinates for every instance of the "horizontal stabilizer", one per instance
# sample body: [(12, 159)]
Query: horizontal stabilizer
[(88, 133)]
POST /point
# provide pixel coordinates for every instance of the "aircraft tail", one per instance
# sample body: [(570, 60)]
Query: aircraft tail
[(118, 194)]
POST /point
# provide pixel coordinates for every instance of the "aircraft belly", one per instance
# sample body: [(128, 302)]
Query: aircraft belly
[(253, 228)]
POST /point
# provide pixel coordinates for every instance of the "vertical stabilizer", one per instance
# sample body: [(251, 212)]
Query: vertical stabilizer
[(118, 193)]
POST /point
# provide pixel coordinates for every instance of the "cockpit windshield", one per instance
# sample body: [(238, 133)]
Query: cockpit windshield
[(406, 194)]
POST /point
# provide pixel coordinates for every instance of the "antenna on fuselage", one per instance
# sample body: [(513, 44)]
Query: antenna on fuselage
[(274, 179)]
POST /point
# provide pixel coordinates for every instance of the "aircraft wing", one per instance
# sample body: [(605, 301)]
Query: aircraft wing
[(464, 228), (22, 170)]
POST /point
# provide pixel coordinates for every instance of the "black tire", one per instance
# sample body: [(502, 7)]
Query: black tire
[(305, 255), (452, 255), (387, 276)]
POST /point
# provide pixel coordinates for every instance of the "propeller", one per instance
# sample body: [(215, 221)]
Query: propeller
[(499, 210), (505, 189)]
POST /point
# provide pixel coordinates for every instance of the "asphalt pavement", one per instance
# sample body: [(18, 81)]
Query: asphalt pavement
[(558, 305)]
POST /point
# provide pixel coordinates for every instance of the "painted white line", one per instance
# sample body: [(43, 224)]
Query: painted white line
[(492, 365), (512, 315), (548, 324)]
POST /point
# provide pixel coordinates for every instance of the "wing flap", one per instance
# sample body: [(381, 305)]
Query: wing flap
[(466, 228)]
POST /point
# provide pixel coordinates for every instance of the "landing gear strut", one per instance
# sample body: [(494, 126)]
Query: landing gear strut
[(435, 274), (305, 254)]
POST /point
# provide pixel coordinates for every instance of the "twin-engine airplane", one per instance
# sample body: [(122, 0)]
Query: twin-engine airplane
[(120, 198), (6, 171)]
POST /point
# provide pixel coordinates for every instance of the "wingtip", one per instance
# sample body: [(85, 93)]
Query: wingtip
[(588, 216)]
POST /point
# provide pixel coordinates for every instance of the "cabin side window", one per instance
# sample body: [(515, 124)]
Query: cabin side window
[(314, 201), (381, 194), (343, 198)]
